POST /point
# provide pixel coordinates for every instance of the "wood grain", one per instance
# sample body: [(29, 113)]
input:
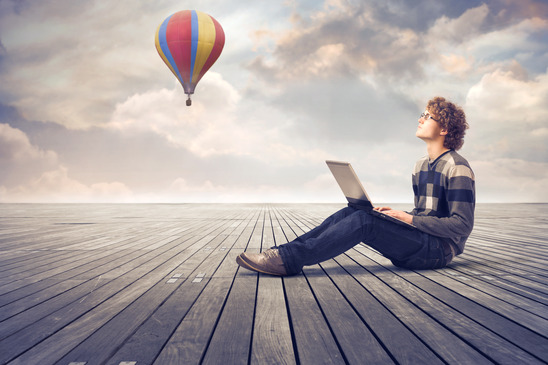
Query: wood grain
[(158, 284)]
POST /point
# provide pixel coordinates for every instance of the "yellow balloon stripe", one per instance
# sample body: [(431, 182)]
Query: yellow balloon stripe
[(206, 40)]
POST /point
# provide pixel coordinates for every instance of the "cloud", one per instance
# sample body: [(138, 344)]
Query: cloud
[(341, 40), (207, 127), (16, 151), (509, 115), (99, 116), (56, 186), (320, 189), (459, 30), (16, 147), (32, 174), (503, 97), (211, 126), (67, 60), (511, 180)]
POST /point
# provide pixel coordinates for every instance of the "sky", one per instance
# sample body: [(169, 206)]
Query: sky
[(90, 113)]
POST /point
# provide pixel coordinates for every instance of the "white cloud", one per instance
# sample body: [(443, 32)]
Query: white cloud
[(509, 115), (343, 39), (457, 30), (511, 180), (308, 82), (20, 160), (515, 39), (31, 174), (500, 97), (180, 185), (181, 190), (56, 186), (212, 125), (67, 61), (207, 127), (15, 147)]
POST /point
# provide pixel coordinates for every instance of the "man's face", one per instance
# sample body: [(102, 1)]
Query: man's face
[(428, 128)]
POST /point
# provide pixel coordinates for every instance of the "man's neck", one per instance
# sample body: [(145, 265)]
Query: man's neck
[(435, 150)]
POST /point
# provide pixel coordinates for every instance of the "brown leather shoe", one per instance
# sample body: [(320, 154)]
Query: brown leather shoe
[(267, 262)]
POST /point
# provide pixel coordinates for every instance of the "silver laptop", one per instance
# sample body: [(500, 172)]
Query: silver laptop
[(354, 192)]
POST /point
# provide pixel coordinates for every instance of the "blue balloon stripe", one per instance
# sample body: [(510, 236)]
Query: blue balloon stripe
[(194, 43), (165, 49)]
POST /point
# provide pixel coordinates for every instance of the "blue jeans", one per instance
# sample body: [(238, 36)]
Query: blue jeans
[(405, 247)]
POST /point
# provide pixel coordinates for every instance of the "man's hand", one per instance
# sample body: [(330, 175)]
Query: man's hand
[(406, 217)]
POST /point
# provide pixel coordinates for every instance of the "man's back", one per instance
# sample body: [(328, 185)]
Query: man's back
[(445, 197)]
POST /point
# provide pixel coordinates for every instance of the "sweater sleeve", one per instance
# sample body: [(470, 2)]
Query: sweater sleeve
[(460, 198)]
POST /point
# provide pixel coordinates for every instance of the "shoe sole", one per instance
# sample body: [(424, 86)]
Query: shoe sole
[(247, 265)]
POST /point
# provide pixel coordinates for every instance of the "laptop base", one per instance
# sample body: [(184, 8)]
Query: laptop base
[(369, 209)]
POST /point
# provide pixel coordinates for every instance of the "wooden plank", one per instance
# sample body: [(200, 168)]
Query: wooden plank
[(497, 338), (345, 323), (272, 341), (149, 283), (112, 335), (98, 265), (403, 345), (520, 286), (496, 298), (444, 343), (52, 287), (149, 339), (59, 335), (342, 319), (231, 340), (314, 340), (189, 342)]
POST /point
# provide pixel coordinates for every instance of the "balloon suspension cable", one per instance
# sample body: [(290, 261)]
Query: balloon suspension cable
[(188, 101)]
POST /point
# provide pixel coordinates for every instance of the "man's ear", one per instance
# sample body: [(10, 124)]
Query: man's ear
[(443, 132)]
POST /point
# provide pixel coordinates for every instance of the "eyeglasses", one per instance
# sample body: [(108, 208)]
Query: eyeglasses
[(427, 116)]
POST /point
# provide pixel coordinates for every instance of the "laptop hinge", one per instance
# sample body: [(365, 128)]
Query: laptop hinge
[(360, 204)]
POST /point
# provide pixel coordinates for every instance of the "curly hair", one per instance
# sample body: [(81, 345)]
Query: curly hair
[(451, 118)]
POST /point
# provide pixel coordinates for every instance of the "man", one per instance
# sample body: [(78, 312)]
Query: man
[(444, 188)]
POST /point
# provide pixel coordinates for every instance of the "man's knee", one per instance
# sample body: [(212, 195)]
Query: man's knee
[(343, 213)]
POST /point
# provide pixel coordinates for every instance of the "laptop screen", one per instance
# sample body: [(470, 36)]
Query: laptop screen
[(349, 183)]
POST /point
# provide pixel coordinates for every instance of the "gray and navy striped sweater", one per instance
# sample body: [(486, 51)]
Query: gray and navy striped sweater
[(445, 197)]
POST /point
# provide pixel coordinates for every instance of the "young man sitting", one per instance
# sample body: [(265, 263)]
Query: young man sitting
[(444, 188)]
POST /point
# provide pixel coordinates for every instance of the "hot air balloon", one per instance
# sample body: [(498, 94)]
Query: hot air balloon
[(189, 42)]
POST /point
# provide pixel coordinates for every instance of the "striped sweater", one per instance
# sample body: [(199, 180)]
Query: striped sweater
[(445, 198)]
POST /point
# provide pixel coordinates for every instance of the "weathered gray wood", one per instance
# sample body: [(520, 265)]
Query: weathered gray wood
[(314, 341), (111, 283), (272, 343), (231, 340), (111, 336), (456, 315), (100, 305)]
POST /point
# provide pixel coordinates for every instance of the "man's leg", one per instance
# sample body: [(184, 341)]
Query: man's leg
[(403, 246), (342, 231), (270, 261), (328, 222)]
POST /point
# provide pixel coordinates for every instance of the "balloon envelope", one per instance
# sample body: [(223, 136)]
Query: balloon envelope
[(189, 42)]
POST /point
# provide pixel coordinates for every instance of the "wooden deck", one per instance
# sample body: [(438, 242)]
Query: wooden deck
[(158, 284)]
